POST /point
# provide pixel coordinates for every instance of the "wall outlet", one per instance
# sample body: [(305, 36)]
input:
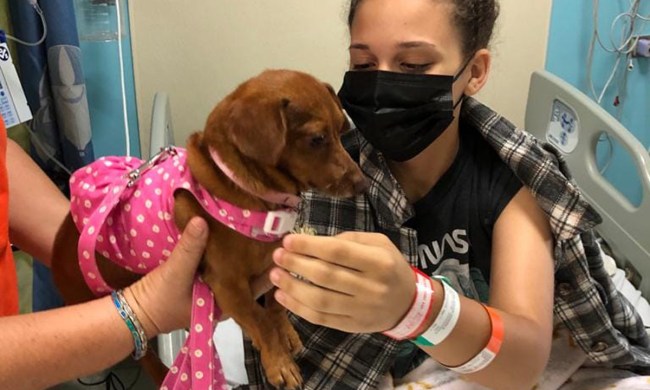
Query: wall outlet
[(642, 48)]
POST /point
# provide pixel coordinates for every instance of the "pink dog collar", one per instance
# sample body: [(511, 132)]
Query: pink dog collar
[(274, 197)]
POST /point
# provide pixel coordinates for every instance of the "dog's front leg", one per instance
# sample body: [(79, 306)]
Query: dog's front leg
[(227, 267), (283, 326), (235, 298)]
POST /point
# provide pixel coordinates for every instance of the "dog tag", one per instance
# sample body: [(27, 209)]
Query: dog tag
[(303, 229)]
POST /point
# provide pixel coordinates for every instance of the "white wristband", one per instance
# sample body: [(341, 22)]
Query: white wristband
[(418, 312), (445, 322)]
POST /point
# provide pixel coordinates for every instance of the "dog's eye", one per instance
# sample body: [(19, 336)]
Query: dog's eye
[(345, 127), (318, 141)]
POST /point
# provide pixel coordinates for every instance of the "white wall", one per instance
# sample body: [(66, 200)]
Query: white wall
[(199, 50), (518, 48)]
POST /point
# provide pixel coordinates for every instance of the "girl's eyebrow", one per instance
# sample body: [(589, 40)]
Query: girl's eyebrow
[(359, 46), (415, 44), (402, 45)]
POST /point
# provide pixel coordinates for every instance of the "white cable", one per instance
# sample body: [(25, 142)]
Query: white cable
[(632, 14), (622, 89), (36, 142), (122, 78), (595, 11), (34, 139), (627, 46), (39, 11), (592, 47), (611, 78), (610, 154), (624, 50)]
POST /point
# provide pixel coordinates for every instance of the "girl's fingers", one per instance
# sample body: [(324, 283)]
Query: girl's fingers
[(305, 297), (345, 253), (327, 275), (335, 321)]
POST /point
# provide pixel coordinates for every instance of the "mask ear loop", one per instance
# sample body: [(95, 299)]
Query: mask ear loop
[(462, 70)]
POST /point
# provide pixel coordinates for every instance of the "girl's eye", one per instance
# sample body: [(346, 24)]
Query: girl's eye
[(318, 141), (416, 67), (365, 66)]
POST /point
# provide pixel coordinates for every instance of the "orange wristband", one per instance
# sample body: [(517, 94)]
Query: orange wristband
[(487, 355)]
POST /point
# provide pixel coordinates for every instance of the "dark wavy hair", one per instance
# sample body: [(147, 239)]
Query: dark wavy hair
[(475, 20)]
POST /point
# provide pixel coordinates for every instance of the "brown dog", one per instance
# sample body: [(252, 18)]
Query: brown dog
[(278, 132)]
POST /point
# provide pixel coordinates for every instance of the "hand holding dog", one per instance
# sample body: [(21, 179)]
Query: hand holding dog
[(360, 282), (163, 297)]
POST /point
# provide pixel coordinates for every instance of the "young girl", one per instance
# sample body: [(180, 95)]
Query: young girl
[(458, 194)]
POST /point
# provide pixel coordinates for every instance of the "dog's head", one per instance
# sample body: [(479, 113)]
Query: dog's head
[(285, 126)]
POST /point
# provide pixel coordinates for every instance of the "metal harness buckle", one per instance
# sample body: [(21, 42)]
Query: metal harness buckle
[(164, 154)]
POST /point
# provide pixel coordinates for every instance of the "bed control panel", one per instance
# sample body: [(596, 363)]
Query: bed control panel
[(563, 128)]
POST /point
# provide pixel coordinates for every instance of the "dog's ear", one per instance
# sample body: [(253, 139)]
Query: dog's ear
[(258, 127), (346, 124), (334, 95)]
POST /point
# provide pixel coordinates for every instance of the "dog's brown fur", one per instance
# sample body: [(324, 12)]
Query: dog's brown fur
[(278, 131)]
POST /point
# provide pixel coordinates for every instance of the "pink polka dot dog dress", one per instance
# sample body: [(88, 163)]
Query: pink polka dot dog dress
[(123, 209)]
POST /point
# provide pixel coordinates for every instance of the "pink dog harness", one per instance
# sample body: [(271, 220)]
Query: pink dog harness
[(123, 209)]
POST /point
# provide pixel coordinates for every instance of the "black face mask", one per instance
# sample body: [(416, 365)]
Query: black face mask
[(400, 114)]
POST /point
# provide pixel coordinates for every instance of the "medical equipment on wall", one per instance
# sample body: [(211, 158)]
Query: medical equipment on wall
[(13, 103), (625, 50), (102, 21)]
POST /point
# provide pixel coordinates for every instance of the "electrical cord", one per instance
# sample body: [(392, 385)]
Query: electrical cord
[(626, 48), (623, 51), (36, 142), (39, 145), (610, 152), (125, 114), (39, 11), (113, 381)]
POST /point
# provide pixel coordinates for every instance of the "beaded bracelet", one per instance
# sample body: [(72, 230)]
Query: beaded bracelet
[(487, 355), (132, 322)]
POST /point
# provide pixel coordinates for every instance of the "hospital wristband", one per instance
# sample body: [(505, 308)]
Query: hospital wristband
[(487, 355), (419, 312), (132, 322), (446, 319)]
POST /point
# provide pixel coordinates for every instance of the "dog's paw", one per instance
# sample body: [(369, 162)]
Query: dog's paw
[(285, 376), (292, 340)]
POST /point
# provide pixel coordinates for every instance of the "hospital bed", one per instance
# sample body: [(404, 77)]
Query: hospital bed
[(573, 124), (556, 113)]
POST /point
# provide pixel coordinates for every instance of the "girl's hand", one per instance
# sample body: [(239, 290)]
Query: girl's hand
[(360, 282)]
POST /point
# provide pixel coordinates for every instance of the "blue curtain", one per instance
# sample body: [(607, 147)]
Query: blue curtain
[(53, 80)]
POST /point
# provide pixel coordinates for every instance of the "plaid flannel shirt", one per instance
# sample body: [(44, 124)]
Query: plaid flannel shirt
[(601, 320)]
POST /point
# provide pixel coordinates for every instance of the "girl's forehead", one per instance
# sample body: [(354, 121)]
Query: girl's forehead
[(388, 22)]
